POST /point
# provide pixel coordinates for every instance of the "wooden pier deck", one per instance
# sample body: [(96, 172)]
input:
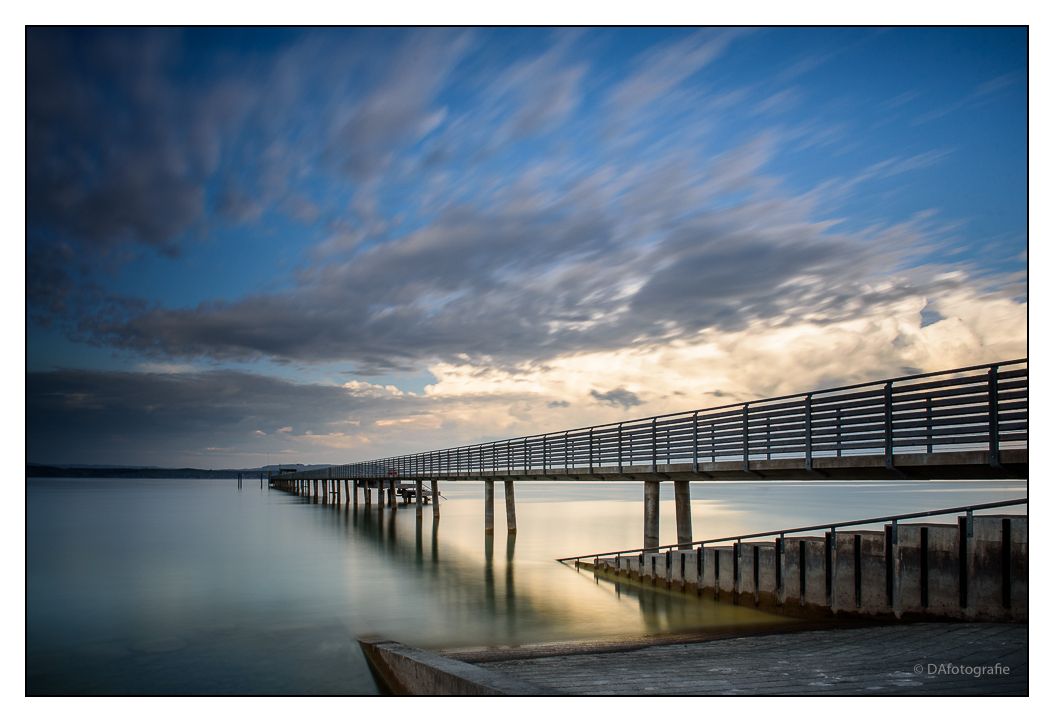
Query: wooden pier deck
[(895, 659)]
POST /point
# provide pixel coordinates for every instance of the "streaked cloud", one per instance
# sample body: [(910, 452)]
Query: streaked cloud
[(562, 227)]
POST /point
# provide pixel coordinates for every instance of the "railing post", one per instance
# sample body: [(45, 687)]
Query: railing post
[(838, 433), (768, 437), (746, 438), (695, 442), (808, 432), (566, 455), (993, 417), (654, 447), (620, 448), (889, 424), (929, 424)]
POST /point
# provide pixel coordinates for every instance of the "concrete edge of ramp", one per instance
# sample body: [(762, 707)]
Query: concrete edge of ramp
[(405, 670)]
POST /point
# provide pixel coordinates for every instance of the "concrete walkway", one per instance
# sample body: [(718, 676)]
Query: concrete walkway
[(899, 659)]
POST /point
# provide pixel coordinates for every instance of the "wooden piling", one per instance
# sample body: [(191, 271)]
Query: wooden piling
[(435, 498), (419, 498)]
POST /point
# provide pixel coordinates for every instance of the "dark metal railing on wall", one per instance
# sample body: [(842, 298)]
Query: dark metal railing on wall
[(781, 533), (976, 407)]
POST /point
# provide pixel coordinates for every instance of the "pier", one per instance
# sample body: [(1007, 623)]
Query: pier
[(964, 423)]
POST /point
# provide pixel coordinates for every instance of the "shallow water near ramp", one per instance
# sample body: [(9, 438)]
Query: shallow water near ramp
[(197, 587)]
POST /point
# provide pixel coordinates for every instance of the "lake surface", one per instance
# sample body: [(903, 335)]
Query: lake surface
[(198, 587)]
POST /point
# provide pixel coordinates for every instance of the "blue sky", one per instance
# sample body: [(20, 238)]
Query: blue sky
[(447, 235)]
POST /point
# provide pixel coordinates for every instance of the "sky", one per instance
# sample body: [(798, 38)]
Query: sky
[(246, 246)]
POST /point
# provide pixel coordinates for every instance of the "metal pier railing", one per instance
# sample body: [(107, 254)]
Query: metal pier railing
[(982, 407)]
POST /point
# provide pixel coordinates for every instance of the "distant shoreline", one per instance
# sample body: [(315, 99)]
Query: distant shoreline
[(141, 473)]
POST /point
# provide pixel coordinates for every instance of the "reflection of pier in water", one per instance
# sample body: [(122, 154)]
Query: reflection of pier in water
[(455, 581), (502, 611)]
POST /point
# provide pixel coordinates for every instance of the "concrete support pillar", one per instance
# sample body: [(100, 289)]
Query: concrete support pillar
[(510, 507), (419, 498), (336, 488), (355, 491), (347, 491), (435, 498), (367, 495), (683, 502), (651, 513), (488, 506), (391, 493)]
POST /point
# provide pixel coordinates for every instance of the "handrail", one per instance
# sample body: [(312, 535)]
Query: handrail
[(796, 530), (981, 410)]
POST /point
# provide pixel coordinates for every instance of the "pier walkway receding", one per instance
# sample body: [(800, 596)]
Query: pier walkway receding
[(966, 423)]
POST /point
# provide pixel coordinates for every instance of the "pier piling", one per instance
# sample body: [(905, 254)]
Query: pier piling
[(510, 506), (488, 506), (683, 502), (651, 513), (419, 498)]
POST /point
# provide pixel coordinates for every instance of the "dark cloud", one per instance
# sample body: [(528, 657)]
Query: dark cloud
[(110, 144), (121, 417), (513, 286), (138, 140), (617, 397)]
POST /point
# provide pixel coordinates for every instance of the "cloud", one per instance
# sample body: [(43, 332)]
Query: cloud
[(363, 140), (663, 68), (108, 158), (127, 417), (571, 275), (162, 418), (617, 397)]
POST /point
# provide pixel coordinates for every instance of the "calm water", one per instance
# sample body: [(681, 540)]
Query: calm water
[(197, 587)]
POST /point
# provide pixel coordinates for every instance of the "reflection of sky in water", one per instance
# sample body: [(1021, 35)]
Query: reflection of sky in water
[(195, 587)]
